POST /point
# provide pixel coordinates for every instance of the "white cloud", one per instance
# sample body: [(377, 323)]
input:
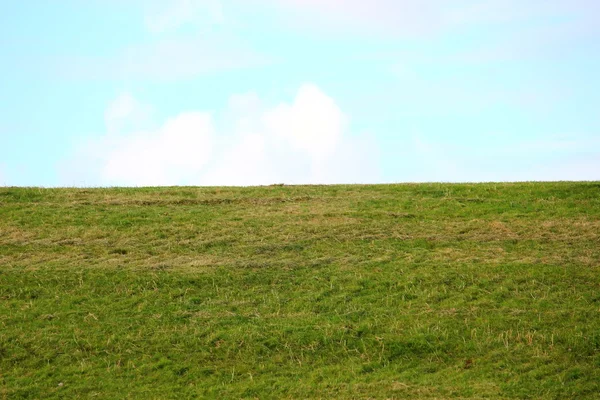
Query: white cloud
[(424, 17), (186, 58), (573, 168), (176, 152), (305, 141), (172, 53), (133, 153), (313, 123), (172, 14), (121, 108), (245, 162), (169, 59), (404, 17), (126, 113), (568, 157)]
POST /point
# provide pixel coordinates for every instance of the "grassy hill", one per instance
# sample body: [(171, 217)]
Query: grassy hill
[(385, 291)]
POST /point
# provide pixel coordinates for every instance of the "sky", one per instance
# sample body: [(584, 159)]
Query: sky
[(257, 92)]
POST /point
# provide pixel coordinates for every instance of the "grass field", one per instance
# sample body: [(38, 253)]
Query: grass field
[(387, 291)]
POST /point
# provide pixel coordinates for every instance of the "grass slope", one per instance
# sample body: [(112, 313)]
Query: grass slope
[(388, 291)]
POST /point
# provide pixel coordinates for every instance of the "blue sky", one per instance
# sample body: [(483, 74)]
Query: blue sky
[(246, 92)]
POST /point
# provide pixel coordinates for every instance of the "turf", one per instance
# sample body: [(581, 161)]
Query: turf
[(385, 291)]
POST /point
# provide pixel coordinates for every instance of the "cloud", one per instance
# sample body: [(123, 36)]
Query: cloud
[(124, 113), (404, 17), (304, 141), (175, 153), (133, 153), (166, 60), (187, 58), (410, 18), (188, 38), (313, 123), (169, 15), (571, 168), (568, 157), (307, 140)]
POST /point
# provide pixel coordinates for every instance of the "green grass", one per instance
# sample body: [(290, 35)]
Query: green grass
[(386, 291)]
